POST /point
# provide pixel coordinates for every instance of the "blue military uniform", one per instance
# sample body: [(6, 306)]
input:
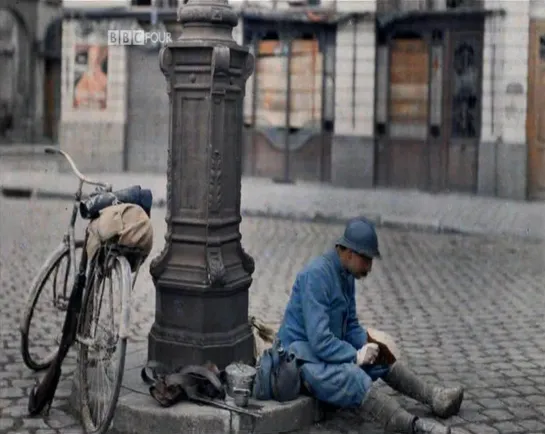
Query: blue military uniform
[(321, 328)]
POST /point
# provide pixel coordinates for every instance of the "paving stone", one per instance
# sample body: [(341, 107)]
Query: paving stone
[(509, 427), (482, 429), (6, 423), (35, 423), (11, 392), (533, 425), (492, 403), (16, 411), (500, 415)]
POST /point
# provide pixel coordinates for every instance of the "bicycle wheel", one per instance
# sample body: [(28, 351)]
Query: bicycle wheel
[(46, 315), (109, 288)]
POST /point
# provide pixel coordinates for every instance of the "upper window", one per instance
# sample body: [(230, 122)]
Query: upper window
[(158, 3), (423, 5)]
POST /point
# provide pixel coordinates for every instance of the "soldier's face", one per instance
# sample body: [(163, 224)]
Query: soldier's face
[(360, 266)]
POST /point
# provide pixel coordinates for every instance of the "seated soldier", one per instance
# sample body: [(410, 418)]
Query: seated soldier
[(321, 328)]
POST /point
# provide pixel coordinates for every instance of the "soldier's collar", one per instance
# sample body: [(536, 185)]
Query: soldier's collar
[(334, 257)]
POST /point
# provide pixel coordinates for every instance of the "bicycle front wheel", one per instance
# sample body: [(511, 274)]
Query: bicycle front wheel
[(45, 309), (103, 342)]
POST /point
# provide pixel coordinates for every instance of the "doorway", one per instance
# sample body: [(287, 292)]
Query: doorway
[(535, 125), (429, 111), (52, 98)]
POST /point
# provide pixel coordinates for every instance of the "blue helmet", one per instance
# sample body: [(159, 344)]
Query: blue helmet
[(360, 237)]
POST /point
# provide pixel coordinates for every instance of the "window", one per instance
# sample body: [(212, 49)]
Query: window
[(465, 97), (458, 4), (158, 3), (423, 5), (389, 6)]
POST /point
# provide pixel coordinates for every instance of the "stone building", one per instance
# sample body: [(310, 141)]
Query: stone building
[(30, 68), (438, 95)]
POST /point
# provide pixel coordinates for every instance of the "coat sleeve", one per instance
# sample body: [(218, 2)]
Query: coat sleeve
[(355, 333), (324, 344)]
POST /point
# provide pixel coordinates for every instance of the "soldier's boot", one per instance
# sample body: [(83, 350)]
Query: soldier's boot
[(444, 401), (394, 419)]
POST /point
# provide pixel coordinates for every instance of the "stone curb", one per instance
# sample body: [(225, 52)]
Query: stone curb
[(414, 223), (138, 413), (393, 221)]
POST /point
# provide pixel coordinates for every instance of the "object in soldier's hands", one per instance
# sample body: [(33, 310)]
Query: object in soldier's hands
[(388, 351)]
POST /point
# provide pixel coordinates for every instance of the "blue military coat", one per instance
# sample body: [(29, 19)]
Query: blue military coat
[(321, 327)]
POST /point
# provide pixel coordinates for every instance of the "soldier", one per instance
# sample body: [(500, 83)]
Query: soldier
[(321, 328)]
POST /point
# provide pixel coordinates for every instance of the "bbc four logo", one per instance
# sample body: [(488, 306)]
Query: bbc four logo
[(137, 37)]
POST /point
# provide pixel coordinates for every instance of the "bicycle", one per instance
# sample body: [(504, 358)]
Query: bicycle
[(83, 305)]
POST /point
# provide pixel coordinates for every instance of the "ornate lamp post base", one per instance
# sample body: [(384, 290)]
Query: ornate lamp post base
[(203, 274)]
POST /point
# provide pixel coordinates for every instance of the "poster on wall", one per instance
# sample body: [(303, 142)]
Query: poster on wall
[(90, 66)]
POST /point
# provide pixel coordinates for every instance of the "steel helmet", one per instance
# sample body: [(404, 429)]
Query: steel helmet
[(360, 237)]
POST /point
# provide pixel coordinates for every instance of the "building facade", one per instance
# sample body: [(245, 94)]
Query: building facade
[(437, 95), (30, 67)]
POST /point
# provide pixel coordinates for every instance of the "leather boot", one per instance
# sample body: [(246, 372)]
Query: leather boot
[(444, 401), (394, 419)]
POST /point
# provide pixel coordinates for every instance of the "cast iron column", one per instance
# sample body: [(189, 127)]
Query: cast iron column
[(203, 274)]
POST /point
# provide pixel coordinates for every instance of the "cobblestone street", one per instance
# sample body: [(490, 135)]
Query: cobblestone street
[(463, 309)]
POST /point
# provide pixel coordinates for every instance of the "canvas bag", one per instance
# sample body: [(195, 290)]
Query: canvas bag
[(127, 224), (278, 375)]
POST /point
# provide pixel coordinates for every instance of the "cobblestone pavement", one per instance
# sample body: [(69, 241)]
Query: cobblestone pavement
[(462, 308)]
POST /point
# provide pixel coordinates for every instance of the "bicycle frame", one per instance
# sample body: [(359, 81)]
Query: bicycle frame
[(70, 236)]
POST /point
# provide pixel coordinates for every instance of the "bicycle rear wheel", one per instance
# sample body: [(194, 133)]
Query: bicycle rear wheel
[(103, 332), (53, 281)]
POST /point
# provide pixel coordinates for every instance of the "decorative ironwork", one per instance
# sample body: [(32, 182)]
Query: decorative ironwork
[(465, 101), (214, 192), (215, 267)]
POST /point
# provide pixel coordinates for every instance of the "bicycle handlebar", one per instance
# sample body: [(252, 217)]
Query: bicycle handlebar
[(83, 178)]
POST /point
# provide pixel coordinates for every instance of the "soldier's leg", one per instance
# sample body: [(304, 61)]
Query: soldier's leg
[(349, 386), (386, 410), (444, 401)]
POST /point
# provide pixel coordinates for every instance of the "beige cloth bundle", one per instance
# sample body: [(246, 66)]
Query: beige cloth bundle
[(127, 224)]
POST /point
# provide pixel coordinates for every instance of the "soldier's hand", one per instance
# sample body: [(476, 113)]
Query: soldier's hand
[(367, 354)]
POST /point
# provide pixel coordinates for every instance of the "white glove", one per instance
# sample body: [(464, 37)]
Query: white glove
[(367, 354)]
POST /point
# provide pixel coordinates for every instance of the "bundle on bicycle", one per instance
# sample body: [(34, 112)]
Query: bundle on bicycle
[(98, 280)]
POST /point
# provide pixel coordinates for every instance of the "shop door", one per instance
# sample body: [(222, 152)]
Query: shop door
[(536, 111), (406, 153), (52, 98), (464, 109)]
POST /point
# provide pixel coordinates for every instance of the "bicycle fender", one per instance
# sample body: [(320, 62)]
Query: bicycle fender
[(126, 276)]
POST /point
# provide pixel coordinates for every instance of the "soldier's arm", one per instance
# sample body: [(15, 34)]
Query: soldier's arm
[(325, 345), (355, 332)]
